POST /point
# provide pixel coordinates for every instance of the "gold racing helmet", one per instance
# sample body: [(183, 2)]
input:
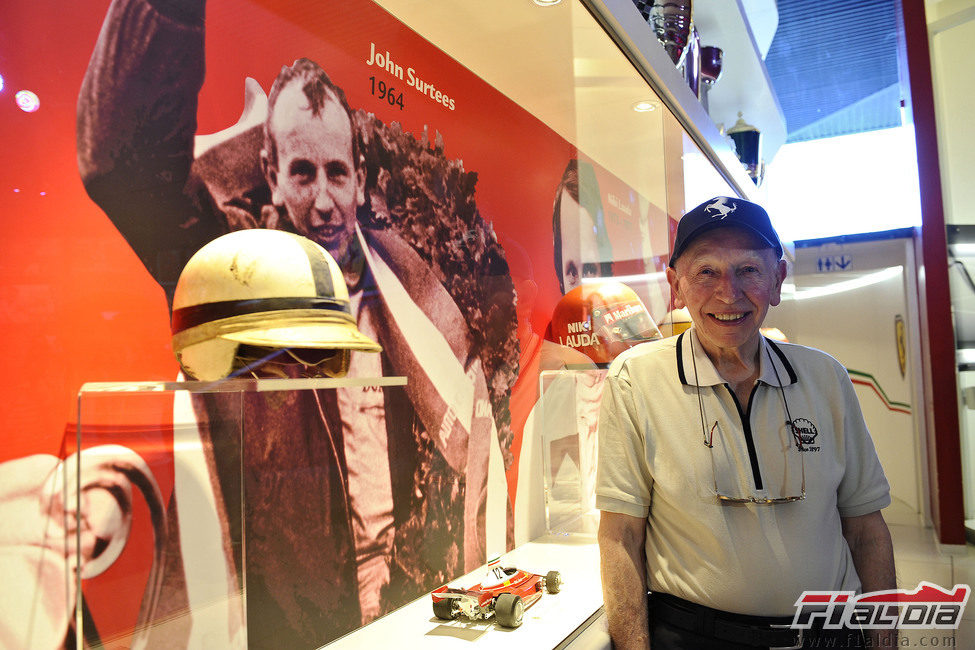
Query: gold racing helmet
[(266, 291)]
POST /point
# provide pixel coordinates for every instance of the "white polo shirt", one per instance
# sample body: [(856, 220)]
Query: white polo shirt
[(653, 463)]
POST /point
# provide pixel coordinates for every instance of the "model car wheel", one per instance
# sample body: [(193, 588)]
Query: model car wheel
[(444, 609), (509, 610), (553, 582)]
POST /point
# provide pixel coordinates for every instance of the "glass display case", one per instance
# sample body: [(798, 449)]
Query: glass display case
[(505, 153), (236, 514)]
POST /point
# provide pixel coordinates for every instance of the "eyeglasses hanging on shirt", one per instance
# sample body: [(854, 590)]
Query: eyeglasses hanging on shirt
[(708, 435)]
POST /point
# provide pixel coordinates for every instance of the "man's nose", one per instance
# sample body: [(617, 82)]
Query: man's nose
[(729, 287), (324, 204)]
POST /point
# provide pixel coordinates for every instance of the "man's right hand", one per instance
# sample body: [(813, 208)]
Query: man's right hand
[(622, 560)]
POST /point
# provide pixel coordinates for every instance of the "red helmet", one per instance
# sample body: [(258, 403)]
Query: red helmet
[(602, 319)]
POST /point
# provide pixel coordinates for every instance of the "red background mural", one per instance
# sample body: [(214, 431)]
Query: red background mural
[(77, 304)]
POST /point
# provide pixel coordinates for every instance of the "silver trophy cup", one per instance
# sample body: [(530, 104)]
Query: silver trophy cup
[(671, 23)]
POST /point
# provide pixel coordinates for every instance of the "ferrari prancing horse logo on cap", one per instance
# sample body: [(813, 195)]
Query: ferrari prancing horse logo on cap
[(721, 206)]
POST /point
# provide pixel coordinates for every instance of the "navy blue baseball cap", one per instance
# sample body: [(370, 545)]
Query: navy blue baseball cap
[(729, 212)]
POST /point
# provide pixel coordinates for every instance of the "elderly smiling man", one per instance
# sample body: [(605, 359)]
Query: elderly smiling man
[(734, 472)]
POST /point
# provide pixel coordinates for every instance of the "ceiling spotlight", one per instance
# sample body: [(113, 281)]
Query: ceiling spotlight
[(1, 82), (27, 101), (546, 3), (644, 107)]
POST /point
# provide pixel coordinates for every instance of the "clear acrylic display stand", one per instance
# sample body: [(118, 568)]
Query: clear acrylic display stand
[(176, 539), (159, 492), (569, 411)]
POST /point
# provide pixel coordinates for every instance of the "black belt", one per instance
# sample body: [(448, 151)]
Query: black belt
[(758, 631)]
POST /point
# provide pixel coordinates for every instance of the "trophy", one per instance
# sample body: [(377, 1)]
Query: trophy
[(748, 147), (692, 63), (710, 64), (671, 23), (710, 70)]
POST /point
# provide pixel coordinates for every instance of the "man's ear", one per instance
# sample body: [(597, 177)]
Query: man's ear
[(360, 182), (675, 294), (781, 270), (271, 175)]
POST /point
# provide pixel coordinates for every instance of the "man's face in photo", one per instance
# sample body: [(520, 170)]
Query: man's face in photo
[(316, 178), (580, 250)]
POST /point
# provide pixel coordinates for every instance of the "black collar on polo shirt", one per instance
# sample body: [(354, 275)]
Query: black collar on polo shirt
[(775, 365)]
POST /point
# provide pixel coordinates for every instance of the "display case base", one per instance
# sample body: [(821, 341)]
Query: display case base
[(559, 620)]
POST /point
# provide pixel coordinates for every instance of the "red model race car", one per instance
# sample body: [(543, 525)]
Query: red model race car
[(504, 593)]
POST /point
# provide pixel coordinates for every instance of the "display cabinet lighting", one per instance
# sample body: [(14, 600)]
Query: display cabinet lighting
[(849, 285), (27, 101)]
